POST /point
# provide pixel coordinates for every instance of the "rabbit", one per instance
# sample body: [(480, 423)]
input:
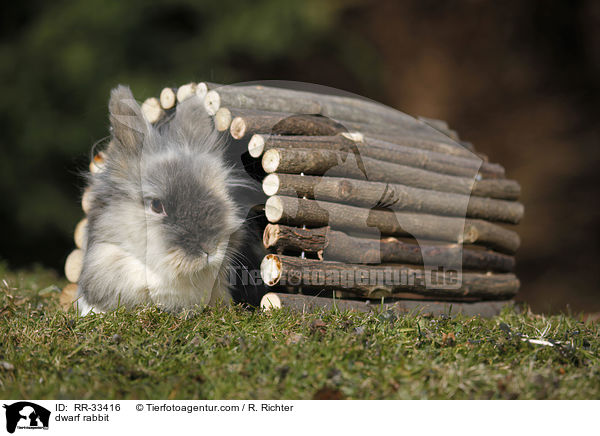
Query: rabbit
[(163, 226)]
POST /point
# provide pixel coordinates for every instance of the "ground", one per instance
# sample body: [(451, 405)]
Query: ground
[(235, 353)]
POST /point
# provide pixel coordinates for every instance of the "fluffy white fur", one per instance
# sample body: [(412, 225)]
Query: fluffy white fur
[(129, 260)]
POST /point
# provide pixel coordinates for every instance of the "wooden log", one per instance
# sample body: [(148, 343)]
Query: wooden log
[(201, 90), (80, 234), (462, 154), (152, 110), (68, 296), (334, 245), (410, 156), (384, 140), (186, 91), (167, 98), (431, 138), (313, 213), (355, 166), (86, 200), (400, 128), (73, 265), (394, 196), (308, 303), (427, 143), (222, 119), (233, 97), (249, 122), (339, 108), (370, 281)]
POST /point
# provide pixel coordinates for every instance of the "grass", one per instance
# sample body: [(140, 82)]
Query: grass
[(233, 353)]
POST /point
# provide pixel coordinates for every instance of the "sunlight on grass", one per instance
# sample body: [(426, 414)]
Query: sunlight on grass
[(231, 353)]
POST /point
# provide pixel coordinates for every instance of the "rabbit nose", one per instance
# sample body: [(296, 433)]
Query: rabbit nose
[(207, 248)]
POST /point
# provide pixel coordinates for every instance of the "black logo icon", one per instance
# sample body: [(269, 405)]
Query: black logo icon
[(26, 415)]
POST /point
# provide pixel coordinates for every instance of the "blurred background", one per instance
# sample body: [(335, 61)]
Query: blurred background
[(517, 78)]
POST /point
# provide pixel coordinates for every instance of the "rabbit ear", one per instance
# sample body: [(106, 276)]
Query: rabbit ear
[(126, 119)]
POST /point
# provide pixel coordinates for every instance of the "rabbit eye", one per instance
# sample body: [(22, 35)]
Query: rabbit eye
[(157, 206)]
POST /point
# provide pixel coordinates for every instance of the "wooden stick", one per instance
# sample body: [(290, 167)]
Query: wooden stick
[(419, 131), (461, 153), (186, 91), (222, 119), (152, 110), (408, 126), (230, 96), (378, 122), (355, 166), (414, 157), (350, 109), (394, 196), (248, 122), (427, 143), (201, 90), (331, 244), (384, 280), (68, 296), (298, 211), (307, 303), (86, 200), (73, 265), (167, 98), (80, 235)]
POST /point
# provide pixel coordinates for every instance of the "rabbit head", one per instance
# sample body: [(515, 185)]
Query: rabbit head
[(162, 226)]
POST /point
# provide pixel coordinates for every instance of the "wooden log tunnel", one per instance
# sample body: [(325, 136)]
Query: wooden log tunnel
[(357, 190)]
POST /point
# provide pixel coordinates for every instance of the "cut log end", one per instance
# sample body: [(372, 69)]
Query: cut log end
[(68, 296), (270, 235), (470, 234), (223, 119), (86, 201), (270, 301), (80, 233), (238, 128), (274, 209), (186, 91), (270, 269), (201, 90), (152, 110), (73, 265), (212, 102), (271, 184), (271, 160), (256, 145), (167, 98)]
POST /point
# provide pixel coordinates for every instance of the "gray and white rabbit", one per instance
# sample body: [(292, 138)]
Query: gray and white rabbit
[(163, 227)]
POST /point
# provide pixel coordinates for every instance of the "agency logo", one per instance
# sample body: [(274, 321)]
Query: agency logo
[(26, 415)]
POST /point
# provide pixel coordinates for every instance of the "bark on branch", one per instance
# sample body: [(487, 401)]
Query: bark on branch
[(369, 281), (298, 212), (355, 166), (394, 196), (334, 245)]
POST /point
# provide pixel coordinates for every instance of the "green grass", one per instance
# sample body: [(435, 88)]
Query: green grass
[(232, 353)]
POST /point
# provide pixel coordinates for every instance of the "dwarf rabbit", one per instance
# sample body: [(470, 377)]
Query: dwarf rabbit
[(163, 226)]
